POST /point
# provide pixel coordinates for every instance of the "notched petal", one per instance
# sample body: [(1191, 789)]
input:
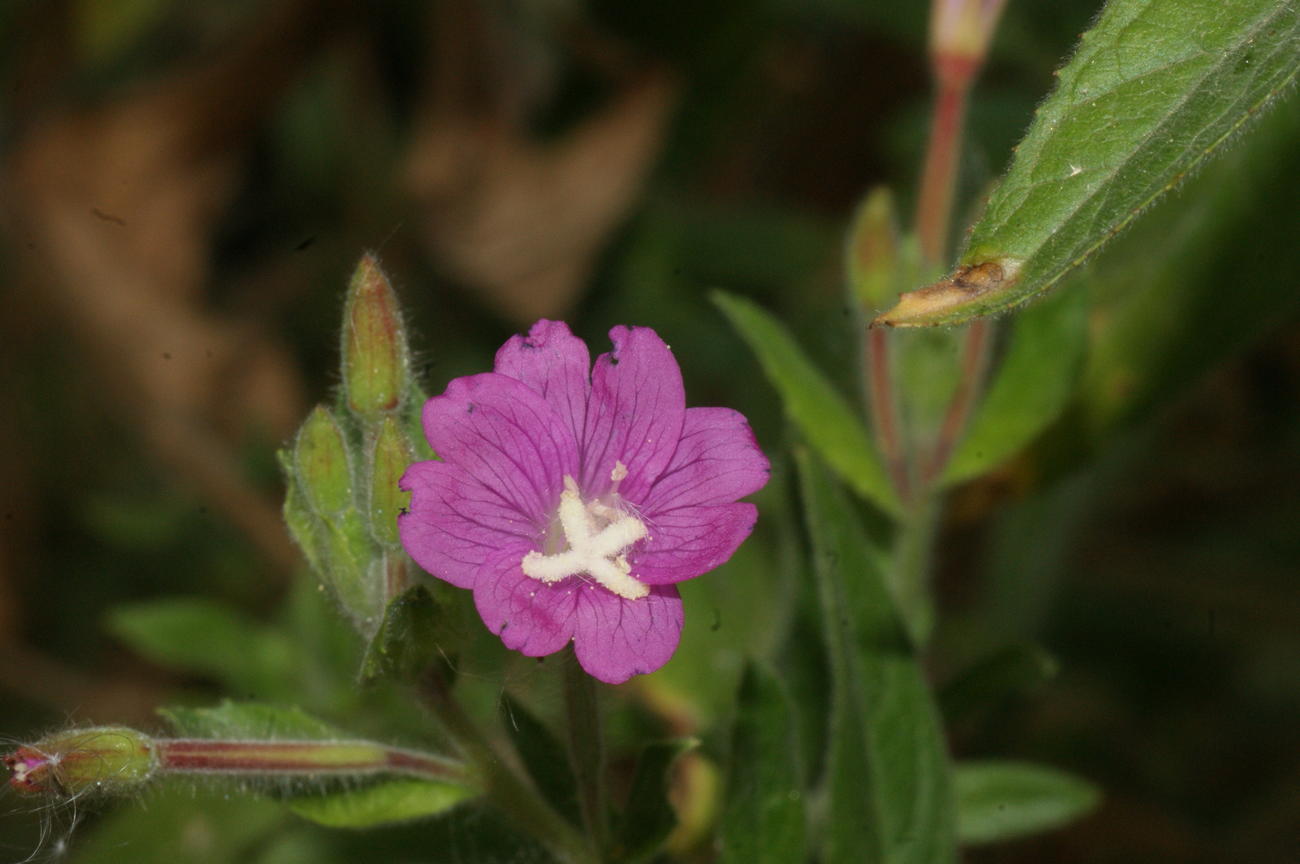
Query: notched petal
[(554, 363), (637, 409)]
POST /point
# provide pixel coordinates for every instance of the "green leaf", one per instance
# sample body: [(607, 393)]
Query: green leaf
[(206, 637), (649, 818), (247, 720), (888, 773), (177, 825), (819, 411), (1032, 385), (407, 638), (380, 803), (1154, 89), (544, 757), (1196, 283), (1003, 800), (764, 816)]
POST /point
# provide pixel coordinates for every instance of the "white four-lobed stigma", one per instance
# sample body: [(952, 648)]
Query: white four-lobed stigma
[(600, 554)]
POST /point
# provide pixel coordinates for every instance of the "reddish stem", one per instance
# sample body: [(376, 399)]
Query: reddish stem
[(881, 396), (297, 758), (973, 362), (953, 75)]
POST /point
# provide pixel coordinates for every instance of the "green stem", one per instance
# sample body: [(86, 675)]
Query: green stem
[(587, 748), (514, 797), (909, 573)]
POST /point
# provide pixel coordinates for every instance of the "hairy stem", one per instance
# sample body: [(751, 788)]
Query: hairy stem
[(118, 758), (586, 747), (974, 363), (505, 788), (880, 396), (939, 176)]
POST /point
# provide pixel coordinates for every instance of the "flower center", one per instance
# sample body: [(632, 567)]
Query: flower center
[(598, 538)]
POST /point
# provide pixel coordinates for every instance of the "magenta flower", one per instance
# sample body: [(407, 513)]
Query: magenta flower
[(571, 499)]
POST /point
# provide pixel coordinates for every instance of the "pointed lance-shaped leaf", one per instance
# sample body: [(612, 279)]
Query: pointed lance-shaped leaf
[(1154, 90)]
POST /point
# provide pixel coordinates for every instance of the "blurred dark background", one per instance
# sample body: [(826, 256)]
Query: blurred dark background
[(185, 187)]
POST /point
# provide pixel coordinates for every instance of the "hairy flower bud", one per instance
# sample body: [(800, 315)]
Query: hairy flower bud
[(69, 763), (375, 356), (321, 459), (390, 456), (960, 32)]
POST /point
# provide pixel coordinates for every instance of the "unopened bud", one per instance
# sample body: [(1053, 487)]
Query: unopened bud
[(960, 32), (871, 254), (375, 357), (391, 456), (69, 763), (321, 459)]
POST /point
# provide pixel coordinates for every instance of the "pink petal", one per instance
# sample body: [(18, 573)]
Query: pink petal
[(531, 617), (455, 523), (503, 435), (636, 413), (688, 541), (616, 638), (555, 363), (717, 462)]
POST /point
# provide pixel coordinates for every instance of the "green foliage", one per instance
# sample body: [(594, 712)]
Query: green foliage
[(1005, 800), (811, 402), (247, 720), (649, 817), (176, 827), (1193, 284), (544, 757), (888, 777), (1033, 383), (198, 635), (1154, 90), (380, 803), (407, 638), (764, 819)]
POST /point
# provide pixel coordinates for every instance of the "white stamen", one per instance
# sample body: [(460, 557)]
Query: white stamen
[(600, 554)]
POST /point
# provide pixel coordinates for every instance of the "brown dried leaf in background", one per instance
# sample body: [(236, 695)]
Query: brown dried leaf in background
[(117, 205), (519, 219)]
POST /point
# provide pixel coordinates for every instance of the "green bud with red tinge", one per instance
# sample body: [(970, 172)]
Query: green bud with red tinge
[(389, 457), (107, 758), (320, 457), (871, 253), (375, 357)]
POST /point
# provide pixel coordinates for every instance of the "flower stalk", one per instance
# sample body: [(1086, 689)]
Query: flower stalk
[(119, 759), (586, 748), (960, 33), (503, 786)]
